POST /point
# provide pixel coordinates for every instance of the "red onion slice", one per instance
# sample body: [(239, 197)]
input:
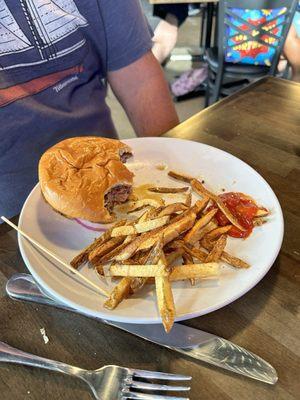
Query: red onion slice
[(92, 227)]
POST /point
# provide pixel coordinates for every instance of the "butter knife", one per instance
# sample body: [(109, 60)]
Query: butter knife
[(183, 339)]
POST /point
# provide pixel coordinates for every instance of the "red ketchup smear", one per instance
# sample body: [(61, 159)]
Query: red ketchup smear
[(242, 207), (89, 227)]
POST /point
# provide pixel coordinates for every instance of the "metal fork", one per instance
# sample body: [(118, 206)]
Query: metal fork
[(107, 383)]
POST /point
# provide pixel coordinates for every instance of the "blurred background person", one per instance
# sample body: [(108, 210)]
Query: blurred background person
[(292, 46), (165, 20)]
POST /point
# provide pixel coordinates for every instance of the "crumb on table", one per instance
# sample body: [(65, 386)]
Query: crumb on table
[(45, 337)]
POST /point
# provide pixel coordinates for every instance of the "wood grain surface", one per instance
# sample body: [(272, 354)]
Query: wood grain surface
[(260, 125)]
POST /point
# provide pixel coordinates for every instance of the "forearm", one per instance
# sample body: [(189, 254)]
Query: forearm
[(292, 48), (151, 111), (143, 92)]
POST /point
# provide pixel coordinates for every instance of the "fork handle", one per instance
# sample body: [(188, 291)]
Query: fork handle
[(12, 355)]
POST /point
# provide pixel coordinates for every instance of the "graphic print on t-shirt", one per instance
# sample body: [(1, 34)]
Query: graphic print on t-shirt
[(52, 33), (12, 38)]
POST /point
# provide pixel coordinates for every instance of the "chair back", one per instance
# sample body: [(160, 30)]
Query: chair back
[(254, 31)]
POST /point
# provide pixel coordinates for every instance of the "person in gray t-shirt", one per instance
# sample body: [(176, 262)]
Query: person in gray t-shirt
[(56, 57)]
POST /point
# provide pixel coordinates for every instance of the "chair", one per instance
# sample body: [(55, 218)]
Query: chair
[(251, 35)]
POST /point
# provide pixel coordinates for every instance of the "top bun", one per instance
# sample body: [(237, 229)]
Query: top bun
[(83, 177)]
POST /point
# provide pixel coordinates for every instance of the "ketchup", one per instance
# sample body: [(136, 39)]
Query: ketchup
[(243, 208)]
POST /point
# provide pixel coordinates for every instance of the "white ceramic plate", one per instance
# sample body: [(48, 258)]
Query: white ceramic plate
[(66, 238)]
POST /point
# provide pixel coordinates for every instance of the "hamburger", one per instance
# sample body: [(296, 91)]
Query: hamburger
[(85, 177)]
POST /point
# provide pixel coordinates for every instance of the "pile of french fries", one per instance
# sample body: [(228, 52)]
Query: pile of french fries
[(147, 249)]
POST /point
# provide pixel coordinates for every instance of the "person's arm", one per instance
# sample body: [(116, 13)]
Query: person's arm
[(292, 52), (144, 94)]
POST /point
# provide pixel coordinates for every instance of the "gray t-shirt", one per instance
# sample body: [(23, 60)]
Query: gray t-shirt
[(54, 57)]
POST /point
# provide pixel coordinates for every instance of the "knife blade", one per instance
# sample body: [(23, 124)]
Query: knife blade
[(191, 342)]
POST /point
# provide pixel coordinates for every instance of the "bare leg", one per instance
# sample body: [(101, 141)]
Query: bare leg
[(165, 38), (292, 52)]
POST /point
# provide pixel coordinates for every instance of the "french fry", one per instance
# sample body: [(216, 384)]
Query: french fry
[(188, 200), (194, 210), (172, 209), (262, 212), (147, 240), (194, 271), (228, 258), (133, 206), (207, 244), (129, 239), (121, 290), (168, 189), (124, 231), (133, 247), (137, 271), (180, 177), (200, 205), (216, 233), (176, 244), (165, 301), (137, 284), (195, 234), (206, 229), (126, 286), (172, 257), (82, 257), (234, 261), (200, 189), (99, 269), (151, 258), (111, 255), (188, 259), (171, 231), (193, 251), (148, 214), (178, 273), (180, 216), (216, 252), (155, 252), (95, 256), (140, 227)]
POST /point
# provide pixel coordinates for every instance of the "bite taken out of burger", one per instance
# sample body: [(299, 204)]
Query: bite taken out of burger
[(85, 177)]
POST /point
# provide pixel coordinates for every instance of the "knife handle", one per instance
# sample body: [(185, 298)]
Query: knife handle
[(23, 287)]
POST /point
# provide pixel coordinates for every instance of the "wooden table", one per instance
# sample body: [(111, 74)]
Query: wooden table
[(261, 125)]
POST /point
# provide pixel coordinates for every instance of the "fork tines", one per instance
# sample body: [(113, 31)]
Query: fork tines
[(127, 392)]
